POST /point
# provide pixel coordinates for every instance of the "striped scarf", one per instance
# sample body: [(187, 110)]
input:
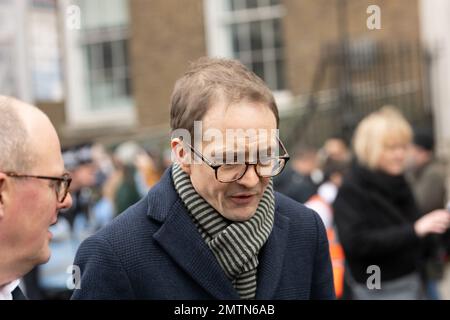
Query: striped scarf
[(234, 244)]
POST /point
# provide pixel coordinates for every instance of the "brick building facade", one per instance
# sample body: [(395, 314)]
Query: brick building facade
[(164, 35)]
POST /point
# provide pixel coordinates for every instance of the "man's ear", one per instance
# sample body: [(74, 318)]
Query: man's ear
[(2, 194), (181, 156)]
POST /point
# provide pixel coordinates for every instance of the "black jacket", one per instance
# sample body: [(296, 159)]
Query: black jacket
[(295, 185), (375, 215), (17, 294), (154, 251)]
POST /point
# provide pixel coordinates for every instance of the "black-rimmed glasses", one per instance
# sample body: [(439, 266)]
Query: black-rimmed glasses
[(61, 184), (227, 173)]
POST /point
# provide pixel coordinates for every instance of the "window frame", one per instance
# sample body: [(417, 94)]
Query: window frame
[(79, 113), (218, 20)]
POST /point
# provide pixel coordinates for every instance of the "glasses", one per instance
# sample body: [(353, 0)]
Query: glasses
[(227, 173), (61, 184)]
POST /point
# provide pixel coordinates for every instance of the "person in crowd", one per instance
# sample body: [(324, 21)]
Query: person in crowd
[(335, 149), (426, 173), (148, 165), (132, 163), (427, 179), (299, 181), (334, 169), (213, 229), (377, 219), (33, 189), (83, 169)]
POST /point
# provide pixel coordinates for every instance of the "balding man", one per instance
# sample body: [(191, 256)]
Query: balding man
[(33, 188)]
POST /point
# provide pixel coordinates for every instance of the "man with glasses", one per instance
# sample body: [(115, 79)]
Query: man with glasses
[(213, 228), (33, 188)]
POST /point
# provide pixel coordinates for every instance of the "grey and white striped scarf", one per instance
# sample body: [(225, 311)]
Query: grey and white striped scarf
[(235, 244)]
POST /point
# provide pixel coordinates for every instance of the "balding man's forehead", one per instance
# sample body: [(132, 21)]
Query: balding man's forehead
[(4, 100), (27, 113), (34, 132), (46, 147), (8, 104), (11, 102), (32, 117), (14, 136)]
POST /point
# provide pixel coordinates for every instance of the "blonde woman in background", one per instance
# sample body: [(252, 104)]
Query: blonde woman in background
[(376, 215)]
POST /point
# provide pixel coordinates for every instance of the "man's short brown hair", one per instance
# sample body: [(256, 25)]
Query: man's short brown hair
[(209, 80)]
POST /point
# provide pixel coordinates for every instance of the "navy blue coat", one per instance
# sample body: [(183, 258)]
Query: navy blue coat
[(154, 251)]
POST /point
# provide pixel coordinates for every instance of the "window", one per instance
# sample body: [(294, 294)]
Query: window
[(108, 75), (105, 44), (14, 72), (250, 31), (97, 65), (44, 51)]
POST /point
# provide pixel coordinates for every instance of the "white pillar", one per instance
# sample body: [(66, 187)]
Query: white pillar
[(16, 75), (435, 26), (22, 67)]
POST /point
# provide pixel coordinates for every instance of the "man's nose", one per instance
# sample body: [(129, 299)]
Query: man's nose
[(67, 203), (250, 179)]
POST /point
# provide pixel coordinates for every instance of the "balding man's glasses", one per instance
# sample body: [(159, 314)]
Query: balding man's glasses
[(227, 173), (61, 184)]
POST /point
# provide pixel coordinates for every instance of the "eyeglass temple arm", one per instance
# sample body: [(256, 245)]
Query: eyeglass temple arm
[(208, 162), (286, 155)]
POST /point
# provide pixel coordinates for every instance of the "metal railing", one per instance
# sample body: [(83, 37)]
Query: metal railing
[(356, 78)]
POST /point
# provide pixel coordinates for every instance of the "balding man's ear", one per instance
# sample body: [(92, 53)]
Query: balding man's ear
[(180, 155), (2, 194)]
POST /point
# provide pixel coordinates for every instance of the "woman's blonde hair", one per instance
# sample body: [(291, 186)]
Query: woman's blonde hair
[(375, 131)]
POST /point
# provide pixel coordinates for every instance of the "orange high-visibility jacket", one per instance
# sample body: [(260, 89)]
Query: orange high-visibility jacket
[(336, 251)]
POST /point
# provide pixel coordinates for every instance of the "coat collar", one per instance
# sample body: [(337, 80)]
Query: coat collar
[(179, 237)]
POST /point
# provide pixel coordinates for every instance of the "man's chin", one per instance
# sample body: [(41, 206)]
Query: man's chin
[(240, 215), (44, 255), (41, 257)]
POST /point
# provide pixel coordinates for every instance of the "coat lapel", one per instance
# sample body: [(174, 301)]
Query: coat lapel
[(272, 257), (180, 238)]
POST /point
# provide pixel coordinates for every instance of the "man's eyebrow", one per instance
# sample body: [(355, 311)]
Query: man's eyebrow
[(226, 154), (269, 148), (236, 153)]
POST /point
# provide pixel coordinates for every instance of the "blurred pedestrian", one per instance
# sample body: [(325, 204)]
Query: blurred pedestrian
[(33, 188), (378, 222), (298, 180), (132, 185), (426, 173), (81, 165), (427, 178), (334, 169), (335, 149)]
